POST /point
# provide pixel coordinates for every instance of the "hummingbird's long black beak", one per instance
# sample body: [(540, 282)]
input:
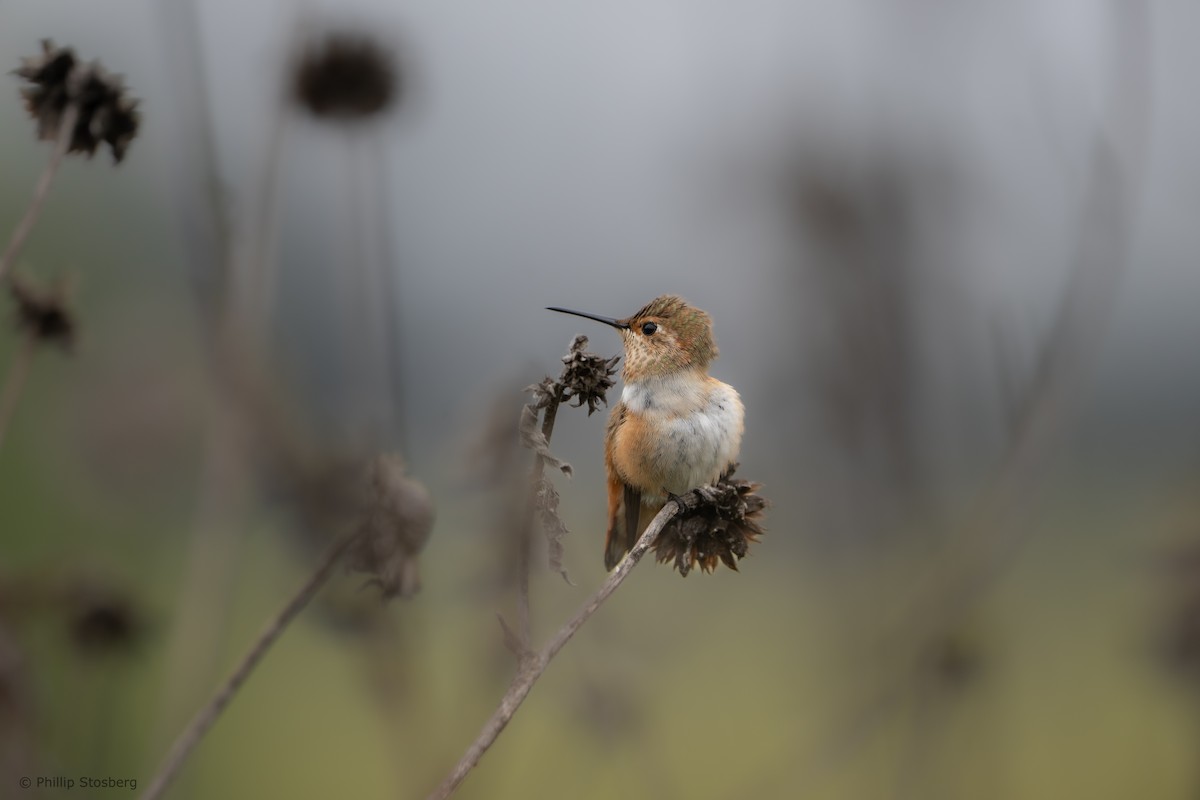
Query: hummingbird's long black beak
[(616, 323)]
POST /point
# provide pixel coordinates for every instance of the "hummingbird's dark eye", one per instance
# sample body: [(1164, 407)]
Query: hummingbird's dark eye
[(649, 328)]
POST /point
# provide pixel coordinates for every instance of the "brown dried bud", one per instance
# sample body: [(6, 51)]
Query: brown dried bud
[(587, 377), (103, 621), (43, 314), (720, 530), (346, 77), (399, 520), (106, 115)]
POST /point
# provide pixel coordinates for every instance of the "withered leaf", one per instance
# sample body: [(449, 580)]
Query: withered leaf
[(552, 525), (531, 437), (545, 393)]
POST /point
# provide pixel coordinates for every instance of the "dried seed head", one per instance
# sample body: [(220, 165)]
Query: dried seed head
[(106, 115), (399, 519), (103, 621), (43, 314), (345, 77), (587, 377), (47, 97), (1178, 632), (956, 661), (718, 531)]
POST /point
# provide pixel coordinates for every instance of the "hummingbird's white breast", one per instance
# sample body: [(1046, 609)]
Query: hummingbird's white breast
[(691, 430)]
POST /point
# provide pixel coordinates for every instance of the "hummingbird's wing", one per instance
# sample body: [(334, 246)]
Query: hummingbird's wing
[(624, 501)]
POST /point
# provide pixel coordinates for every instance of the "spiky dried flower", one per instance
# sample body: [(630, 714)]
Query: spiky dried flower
[(43, 314), (718, 531), (397, 524), (1179, 631), (587, 377), (345, 76), (58, 80), (956, 660), (102, 620)]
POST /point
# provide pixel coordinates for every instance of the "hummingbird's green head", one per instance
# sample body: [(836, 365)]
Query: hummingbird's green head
[(665, 336)]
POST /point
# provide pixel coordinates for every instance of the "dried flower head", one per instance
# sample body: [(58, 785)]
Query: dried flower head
[(43, 314), (587, 377), (956, 660), (1178, 632), (721, 529), (102, 620), (58, 80), (399, 519), (346, 77)]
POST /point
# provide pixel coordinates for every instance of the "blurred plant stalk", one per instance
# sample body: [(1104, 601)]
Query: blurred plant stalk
[(40, 193)]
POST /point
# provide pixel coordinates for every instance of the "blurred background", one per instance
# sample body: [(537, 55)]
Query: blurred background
[(950, 252)]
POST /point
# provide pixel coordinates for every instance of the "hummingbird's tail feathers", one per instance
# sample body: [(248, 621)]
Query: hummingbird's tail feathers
[(613, 549), (623, 529), (633, 516)]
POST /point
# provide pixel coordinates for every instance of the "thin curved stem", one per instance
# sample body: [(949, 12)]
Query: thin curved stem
[(66, 128), (206, 716), (14, 383), (535, 664), (524, 617)]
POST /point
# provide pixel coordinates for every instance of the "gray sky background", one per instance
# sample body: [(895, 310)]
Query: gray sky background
[(596, 155)]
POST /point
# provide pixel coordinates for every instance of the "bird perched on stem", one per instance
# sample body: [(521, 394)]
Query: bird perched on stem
[(676, 428)]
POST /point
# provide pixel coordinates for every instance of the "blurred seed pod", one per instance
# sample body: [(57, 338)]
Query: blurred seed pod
[(718, 531), (346, 77), (58, 80)]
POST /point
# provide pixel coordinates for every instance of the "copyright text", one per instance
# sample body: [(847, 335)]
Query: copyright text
[(78, 782)]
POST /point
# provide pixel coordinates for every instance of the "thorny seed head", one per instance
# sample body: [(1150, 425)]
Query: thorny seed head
[(106, 115), (398, 521), (102, 621), (346, 77), (718, 531), (956, 661), (587, 377), (1179, 631), (43, 314)]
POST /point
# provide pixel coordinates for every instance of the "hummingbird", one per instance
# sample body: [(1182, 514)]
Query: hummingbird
[(676, 427)]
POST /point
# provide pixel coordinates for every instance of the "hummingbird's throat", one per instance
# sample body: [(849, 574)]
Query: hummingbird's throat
[(679, 392)]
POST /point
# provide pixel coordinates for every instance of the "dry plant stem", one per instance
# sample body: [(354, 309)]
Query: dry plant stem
[(206, 716), (1100, 259), (524, 621), (14, 383), (264, 260), (382, 207), (66, 128), (534, 664)]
